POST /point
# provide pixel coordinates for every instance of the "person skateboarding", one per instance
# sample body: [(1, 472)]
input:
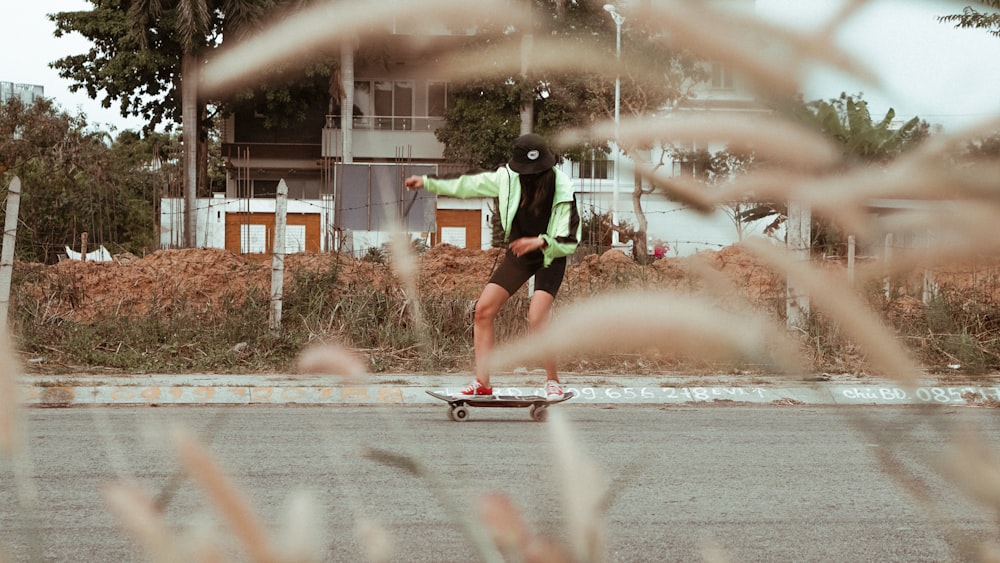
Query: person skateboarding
[(541, 226)]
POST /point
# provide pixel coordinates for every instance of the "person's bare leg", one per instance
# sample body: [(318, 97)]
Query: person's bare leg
[(484, 331), (539, 313)]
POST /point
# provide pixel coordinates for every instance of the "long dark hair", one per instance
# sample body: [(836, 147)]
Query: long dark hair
[(538, 190)]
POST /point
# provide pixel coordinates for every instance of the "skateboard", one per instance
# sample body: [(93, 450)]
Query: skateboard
[(537, 406)]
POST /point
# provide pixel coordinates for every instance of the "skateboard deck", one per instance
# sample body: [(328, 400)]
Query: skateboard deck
[(458, 406)]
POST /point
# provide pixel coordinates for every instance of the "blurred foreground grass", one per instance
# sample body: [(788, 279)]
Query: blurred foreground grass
[(398, 327)]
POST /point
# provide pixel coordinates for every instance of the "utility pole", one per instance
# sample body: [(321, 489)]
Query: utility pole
[(619, 20)]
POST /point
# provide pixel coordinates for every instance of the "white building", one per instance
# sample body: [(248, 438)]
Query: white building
[(27, 93), (345, 176)]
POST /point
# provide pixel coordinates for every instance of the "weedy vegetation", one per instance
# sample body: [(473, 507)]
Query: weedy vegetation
[(378, 327)]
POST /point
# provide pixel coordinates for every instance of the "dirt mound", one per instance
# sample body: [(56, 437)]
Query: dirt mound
[(209, 284), (461, 272), (200, 280), (207, 281)]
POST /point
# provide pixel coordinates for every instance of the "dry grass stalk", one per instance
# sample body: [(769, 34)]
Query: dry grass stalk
[(793, 145), (944, 145), (673, 323), (547, 55), (202, 541), (737, 41), (787, 51), (475, 533), (513, 536), (641, 321), (332, 359), (404, 265), (681, 189), (225, 497), (891, 458), (323, 27), (584, 493), (848, 9), (844, 197), (303, 530), (908, 178), (843, 305), (955, 234), (972, 463), (374, 540), (503, 520), (138, 514), (714, 553)]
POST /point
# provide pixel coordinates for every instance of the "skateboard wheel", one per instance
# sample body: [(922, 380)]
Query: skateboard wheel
[(459, 414), (539, 413)]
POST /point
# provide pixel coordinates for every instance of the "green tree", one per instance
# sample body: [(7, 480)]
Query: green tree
[(971, 18), (75, 180), (982, 148), (147, 56), (481, 124), (847, 120)]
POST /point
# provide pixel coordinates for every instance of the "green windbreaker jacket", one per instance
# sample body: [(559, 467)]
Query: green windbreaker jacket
[(564, 230)]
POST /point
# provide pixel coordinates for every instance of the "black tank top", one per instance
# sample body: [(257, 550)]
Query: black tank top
[(530, 222)]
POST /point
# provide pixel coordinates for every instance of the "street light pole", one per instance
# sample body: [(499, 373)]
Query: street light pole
[(619, 20)]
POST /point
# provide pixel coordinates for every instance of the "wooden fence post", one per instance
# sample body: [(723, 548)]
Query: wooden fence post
[(278, 256), (799, 243)]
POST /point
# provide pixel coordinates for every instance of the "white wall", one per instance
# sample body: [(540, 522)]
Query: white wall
[(687, 231), (212, 223), (212, 218)]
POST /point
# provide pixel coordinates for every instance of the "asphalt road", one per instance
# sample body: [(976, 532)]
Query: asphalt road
[(755, 483)]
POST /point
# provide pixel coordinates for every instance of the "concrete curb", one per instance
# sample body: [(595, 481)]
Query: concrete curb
[(282, 389)]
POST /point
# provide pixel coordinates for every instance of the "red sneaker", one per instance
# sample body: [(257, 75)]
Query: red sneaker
[(474, 389), (553, 391)]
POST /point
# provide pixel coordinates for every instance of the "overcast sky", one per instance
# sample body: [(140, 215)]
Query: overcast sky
[(929, 69)]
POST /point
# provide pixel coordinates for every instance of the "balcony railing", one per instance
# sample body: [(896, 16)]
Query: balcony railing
[(388, 123)]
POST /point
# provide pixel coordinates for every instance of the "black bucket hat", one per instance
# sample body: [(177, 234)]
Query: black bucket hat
[(531, 155)]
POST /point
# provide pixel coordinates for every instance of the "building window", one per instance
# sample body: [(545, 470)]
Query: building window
[(438, 102), (722, 77), (683, 167), (383, 104), (389, 105), (394, 105), (402, 105), (437, 99), (593, 169), (265, 188)]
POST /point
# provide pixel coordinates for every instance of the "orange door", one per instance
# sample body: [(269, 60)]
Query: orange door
[(460, 225), (253, 233)]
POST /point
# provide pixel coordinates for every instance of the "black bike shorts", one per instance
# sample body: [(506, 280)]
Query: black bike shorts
[(513, 271)]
